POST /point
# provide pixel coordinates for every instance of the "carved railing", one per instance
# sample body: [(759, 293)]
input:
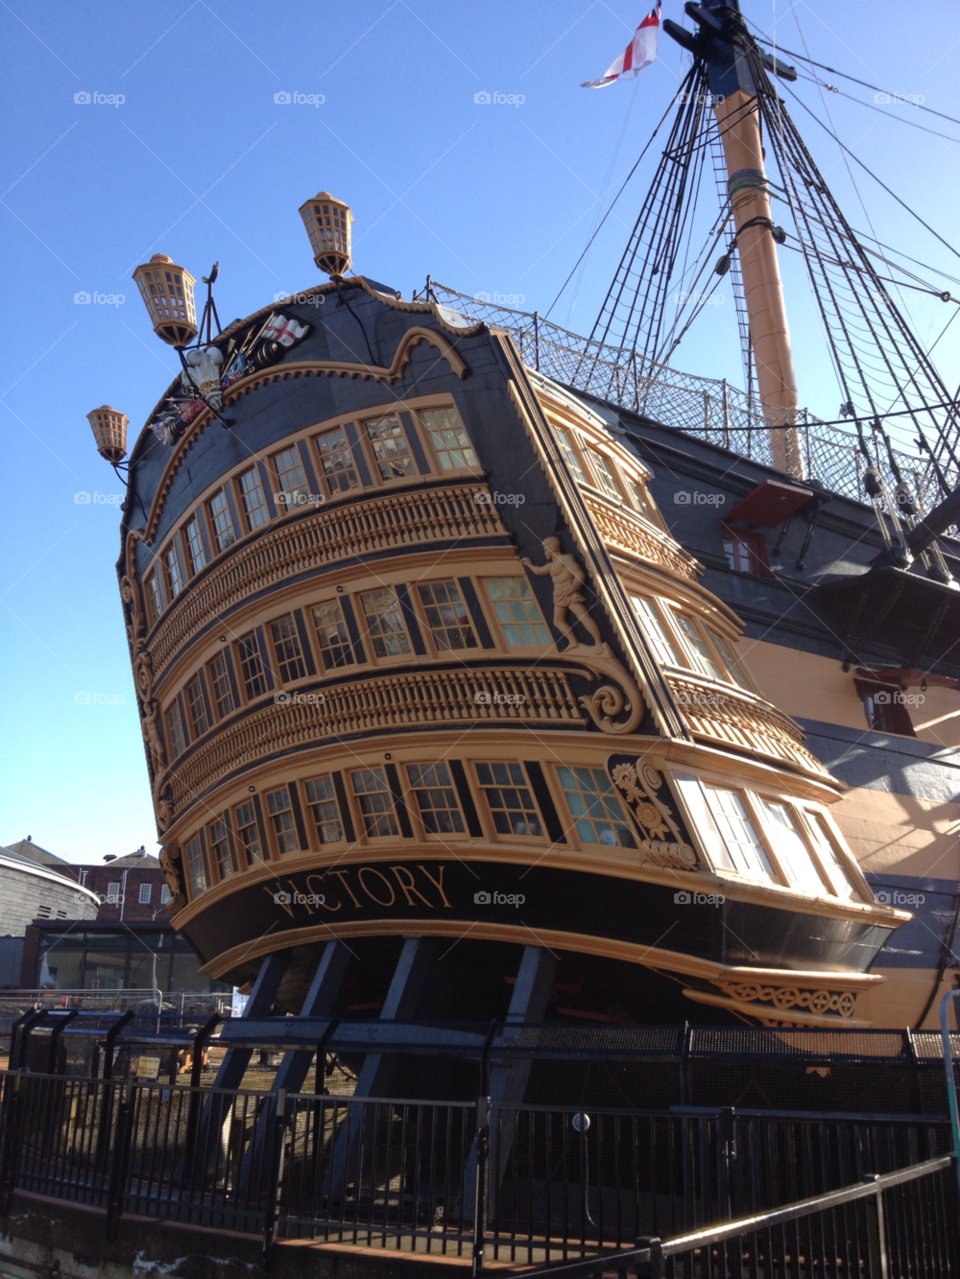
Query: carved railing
[(627, 532), (419, 698), (343, 532), (737, 719)]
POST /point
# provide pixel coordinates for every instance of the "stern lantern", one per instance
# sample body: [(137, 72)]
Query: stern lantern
[(328, 222), (110, 432), (167, 292)]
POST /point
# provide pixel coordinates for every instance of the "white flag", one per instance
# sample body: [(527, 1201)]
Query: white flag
[(639, 53)]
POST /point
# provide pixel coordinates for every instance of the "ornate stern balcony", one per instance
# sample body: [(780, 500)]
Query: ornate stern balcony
[(730, 716)]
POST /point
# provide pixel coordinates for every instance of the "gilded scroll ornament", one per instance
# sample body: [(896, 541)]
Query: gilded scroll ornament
[(640, 784)]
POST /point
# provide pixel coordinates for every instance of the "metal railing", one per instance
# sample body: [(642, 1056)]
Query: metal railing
[(708, 408), (903, 1225), (523, 1184)]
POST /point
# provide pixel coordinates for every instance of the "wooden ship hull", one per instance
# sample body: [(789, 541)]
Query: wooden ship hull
[(402, 638)]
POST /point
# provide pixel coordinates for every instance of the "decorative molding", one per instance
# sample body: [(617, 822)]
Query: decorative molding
[(171, 873), (610, 700), (769, 1016), (734, 718), (290, 549), (819, 1001), (641, 785), (143, 673), (635, 537), (419, 698), (296, 369)]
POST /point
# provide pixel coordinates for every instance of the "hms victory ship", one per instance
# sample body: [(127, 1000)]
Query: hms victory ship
[(431, 693)]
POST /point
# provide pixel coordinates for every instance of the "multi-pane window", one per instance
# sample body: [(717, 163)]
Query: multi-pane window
[(326, 814), (113, 894), (390, 450), (155, 597), (223, 855), (595, 807), (642, 500), (517, 611), (254, 503), (165, 894), (375, 802), (824, 841), (450, 441), (332, 635), (791, 848), (447, 616), (220, 682), (659, 635), (436, 798), (174, 570), (146, 892), (571, 455), (286, 645), (733, 660), (746, 551), (193, 535), (509, 799), (337, 461), (222, 521), (385, 622), (726, 825), (698, 646), (290, 475), (178, 738), (248, 832), (281, 819), (196, 861), (251, 666), (606, 475), (197, 705)]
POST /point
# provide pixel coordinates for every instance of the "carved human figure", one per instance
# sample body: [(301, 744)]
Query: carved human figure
[(568, 579)]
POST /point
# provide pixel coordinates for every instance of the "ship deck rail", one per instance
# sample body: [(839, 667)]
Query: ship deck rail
[(709, 409)]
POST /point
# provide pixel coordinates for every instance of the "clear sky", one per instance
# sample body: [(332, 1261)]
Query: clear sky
[(199, 161)]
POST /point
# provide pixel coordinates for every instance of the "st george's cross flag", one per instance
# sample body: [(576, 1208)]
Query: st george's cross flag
[(639, 53)]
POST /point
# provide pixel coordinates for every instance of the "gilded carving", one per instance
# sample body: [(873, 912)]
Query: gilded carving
[(641, 784), (610, 700), (783, 998), (171, 873)]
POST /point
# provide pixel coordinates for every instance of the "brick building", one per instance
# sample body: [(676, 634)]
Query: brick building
[(131, 889)]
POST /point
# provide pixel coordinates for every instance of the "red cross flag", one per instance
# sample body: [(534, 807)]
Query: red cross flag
[(639, 53)]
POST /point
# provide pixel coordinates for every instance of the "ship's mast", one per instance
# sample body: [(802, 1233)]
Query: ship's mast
[(721, 46)]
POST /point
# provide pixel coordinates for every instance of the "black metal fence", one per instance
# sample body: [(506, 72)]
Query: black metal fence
[(526, 1184)]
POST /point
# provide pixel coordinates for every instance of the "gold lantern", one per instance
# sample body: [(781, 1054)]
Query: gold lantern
[(328, 223), (110, 432), (167, 292)]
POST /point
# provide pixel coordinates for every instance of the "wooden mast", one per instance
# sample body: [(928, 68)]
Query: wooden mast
[(747, 188), (721, 43)]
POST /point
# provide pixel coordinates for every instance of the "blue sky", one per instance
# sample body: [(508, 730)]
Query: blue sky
[(200, 162)]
